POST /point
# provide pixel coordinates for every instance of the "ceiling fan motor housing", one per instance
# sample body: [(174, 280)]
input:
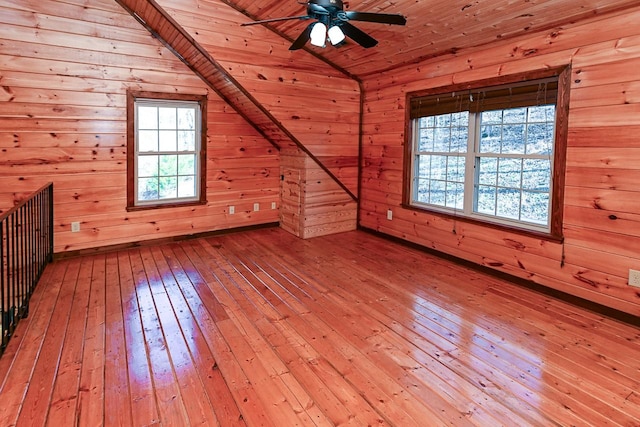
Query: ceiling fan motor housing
[(329, 5)]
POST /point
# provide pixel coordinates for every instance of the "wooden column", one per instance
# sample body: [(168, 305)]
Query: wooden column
[(311, 203)]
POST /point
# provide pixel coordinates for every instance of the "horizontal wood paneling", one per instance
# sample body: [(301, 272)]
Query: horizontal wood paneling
[(311, 203), (601, 219), (318, 105), (65, 67)]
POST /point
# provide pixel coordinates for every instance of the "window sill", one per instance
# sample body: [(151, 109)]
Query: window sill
[(166, 205)]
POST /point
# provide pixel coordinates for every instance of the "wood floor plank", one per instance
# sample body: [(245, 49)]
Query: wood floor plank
[(261, 328), (584, 405), (67, 383), (19, 334), (117, 396), (340, 406), (580, 412), (180, 332), (90, 407), (252, 409), (551, 363), (363, 364), (266, 368), (144, 409), (37, 400), (404, 372), (422, 333), (486, 381), (223, 406), (165, 385), (265, 325), (31, 335)]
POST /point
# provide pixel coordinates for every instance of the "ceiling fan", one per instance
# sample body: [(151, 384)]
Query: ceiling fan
[(332, 23)]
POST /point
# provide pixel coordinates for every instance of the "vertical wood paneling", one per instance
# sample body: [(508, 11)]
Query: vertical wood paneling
[(603, 162), (65, 68)]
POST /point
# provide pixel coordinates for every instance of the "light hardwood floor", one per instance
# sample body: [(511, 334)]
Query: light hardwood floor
[(262, 328)]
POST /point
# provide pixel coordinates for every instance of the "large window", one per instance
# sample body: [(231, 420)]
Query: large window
[(491, 153), (166, 146)]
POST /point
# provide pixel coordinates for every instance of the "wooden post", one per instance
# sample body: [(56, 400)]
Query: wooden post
[(311, 204)]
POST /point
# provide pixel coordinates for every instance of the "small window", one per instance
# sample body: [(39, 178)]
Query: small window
[(166, 146), (493, 154)]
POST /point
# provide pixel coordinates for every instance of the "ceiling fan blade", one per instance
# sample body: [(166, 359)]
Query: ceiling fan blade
[(383, 18), (302, 38), (264, 21), (359, 36)]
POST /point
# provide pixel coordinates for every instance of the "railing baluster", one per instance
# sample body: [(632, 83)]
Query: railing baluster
[(14, 276), (26, 246), (49, 217), (39, 231), (33, 242), (30, 257), (22, 281), (3, 283)]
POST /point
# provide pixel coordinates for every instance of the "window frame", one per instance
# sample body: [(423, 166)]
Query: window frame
[(132, 97), (563, 75)]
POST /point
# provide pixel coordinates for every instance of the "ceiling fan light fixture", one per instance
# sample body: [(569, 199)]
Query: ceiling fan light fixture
[(336, 36), (319, 34), (330, 14)]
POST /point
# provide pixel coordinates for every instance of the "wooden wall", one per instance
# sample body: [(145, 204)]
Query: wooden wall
[(318, 105), (602, 194), (65, 67)]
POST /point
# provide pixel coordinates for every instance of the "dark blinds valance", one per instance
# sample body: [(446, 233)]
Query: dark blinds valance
[(525, 94)]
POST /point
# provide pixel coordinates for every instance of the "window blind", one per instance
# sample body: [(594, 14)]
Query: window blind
[(524, 94)]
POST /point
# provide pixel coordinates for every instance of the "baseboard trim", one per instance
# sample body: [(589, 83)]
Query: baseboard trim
[(151, 242), (598, 308)]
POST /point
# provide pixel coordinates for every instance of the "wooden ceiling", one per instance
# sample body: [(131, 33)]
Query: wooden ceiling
[(434, 27)]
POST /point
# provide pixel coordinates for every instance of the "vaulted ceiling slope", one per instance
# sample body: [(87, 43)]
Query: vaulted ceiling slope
[(434, 27), (201, 34)]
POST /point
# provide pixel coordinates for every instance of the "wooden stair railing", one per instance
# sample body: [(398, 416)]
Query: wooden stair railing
[(26, 247)]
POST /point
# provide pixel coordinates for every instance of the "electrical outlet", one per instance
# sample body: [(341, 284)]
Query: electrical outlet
[(389, 214), (75, 227), (232, 210), (273, 205), (256, 207), (634, 278)]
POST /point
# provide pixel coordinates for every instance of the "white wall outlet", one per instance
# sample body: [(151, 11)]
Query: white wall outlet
[(389, 214), (256, 207), (273, 205), (75, 227), (232, 210), (634, 278)]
